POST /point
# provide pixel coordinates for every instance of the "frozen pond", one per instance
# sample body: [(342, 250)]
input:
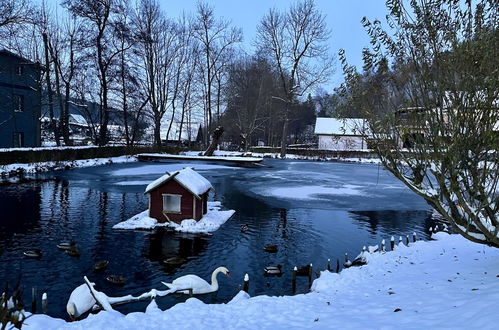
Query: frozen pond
[(311, 210)]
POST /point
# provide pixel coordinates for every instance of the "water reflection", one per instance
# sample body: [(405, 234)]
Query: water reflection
[(20, 207), (173, 250)]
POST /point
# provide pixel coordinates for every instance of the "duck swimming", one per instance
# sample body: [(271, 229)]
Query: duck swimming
[(270, 248), (35, 253), (273, 270), (100, 265)]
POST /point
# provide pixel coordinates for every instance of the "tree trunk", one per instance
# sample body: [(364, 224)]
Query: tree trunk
[(53, 122), (215, 140), (284, 139), (157, 131)]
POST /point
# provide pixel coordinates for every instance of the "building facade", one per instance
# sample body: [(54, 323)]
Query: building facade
[(341, 134), (20, 101)]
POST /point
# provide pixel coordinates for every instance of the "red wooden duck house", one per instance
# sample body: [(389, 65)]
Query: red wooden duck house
[(178, 196)]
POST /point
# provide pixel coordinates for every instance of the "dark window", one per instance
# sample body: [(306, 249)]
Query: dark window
[(18, 139), (18, 103), (19, 70)]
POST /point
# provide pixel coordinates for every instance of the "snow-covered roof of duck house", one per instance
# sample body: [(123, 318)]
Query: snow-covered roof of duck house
[(178, 196), (188, 178)]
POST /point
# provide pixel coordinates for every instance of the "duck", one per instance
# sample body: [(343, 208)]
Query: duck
[(66, 245), (74, 251), (35, 253), (80, 301), (174, 261), (270, 248), (116, 279), (244, 228), (273, 270), (100, 265), (196, 283)]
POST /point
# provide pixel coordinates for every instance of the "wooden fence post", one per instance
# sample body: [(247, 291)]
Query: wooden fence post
[(337, 265), (383, 246), (407, 240), (33, 300), (310, 276), (293, 279), (246, 283), (414, 237), (400, 239), (329, 265), (45, 303), (392, 243)]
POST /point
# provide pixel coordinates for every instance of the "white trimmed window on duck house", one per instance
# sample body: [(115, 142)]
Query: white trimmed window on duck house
[(171, 203)]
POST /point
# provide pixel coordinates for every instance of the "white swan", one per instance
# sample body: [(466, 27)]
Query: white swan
[(80, 301), (196, 283)]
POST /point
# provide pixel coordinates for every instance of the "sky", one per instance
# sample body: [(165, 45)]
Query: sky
[(342, 16)]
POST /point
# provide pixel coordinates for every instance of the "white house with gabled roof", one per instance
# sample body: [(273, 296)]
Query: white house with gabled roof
[(341, 133)]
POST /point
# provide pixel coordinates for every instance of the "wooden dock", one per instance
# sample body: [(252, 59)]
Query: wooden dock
[(230, 159)]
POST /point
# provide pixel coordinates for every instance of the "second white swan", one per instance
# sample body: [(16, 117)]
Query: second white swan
[(196, 283)]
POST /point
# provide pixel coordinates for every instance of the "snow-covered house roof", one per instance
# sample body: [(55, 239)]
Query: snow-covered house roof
[(342, 126), (78, 120), (187, 178)]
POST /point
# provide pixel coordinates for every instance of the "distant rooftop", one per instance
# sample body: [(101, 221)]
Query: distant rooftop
[(340, 126)]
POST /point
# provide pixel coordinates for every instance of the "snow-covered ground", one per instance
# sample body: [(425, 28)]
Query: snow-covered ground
[(210, 222), (449, 283), (56, 165)]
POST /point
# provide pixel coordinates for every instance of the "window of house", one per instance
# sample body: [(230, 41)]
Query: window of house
[(19, 70), (171, 203), (18, 103), (18, 139)]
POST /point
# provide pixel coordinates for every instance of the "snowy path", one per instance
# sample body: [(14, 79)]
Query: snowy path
[(446, 284)]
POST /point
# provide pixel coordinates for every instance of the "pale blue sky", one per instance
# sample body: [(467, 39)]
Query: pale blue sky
[(343, 18)]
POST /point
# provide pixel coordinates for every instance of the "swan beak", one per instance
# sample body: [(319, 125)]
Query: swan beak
[(228, 275)]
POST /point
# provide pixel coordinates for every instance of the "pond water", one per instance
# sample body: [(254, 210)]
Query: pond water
[(311, 210)]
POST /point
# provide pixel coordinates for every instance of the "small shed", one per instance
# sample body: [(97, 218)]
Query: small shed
[(178, 196)]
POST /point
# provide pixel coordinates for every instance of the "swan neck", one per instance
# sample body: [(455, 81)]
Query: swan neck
[(214, 281)]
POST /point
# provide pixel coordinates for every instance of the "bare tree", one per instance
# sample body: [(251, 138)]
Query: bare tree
[(15, 12), (157, 46), (216, 37), (44, 27), (448, 114), (296, 43), (99, 14), (249, 90)]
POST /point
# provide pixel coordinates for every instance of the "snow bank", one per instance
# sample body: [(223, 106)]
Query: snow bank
[(210, 222), (139, 221), (450, 283), (53, 165)]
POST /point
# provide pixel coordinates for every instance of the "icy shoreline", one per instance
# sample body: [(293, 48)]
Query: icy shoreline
[(210, 222), (449, 283), (32, 168), (223, 153)]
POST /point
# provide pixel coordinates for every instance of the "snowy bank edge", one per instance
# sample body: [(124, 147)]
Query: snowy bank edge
[(58, 165)]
